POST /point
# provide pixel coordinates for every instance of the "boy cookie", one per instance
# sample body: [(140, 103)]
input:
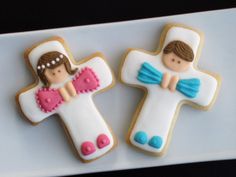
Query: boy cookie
[(170, 79), (65, 87)]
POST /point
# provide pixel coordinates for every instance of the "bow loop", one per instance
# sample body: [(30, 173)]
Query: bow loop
[(85, 81), (49, 99), (149, 75)]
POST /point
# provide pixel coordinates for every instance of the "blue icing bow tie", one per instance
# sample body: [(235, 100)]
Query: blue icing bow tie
[(150, 75)]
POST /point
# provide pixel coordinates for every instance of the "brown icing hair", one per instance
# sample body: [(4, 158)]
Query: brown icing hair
[(52, 60), (180, 49)]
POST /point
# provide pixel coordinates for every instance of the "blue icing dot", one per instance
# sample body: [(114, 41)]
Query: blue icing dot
[(141, 137), (155, 141)]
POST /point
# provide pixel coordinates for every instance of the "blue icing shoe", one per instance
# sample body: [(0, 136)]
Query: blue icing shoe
[(141, 137), (155, 141)]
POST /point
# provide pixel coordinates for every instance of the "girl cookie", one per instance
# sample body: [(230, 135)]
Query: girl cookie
[(170, 79), (65, 88)]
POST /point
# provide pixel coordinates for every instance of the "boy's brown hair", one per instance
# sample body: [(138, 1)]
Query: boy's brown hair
[(51, 58), (180, 49)]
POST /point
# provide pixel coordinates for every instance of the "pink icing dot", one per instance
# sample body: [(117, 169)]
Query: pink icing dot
[(102, 141), (48, 100), (87, 148), (86, 80)]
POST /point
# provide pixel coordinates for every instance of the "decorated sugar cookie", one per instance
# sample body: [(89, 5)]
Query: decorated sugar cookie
[(170, 79), (65, 88)]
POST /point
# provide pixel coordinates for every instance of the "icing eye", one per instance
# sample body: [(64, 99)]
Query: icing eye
[(59, 70), (179, 62), (53, 74), (173, 60)]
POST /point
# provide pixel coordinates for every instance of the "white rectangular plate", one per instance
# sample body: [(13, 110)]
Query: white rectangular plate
[(44, 150)]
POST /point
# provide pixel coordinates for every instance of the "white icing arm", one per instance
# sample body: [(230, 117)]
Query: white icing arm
[(30, 107)]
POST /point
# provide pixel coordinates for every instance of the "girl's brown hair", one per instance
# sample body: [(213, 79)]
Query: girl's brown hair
[(51, 60), (180, 49)]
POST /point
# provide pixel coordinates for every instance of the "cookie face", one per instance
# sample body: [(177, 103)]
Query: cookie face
[(65, 88), (171, 79), (175, 63)]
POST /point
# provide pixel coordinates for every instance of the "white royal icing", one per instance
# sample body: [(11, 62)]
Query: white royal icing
[(159, 108), (80, 115)]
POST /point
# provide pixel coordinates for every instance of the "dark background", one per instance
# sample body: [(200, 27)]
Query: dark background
[(37, 15), (16, 16)]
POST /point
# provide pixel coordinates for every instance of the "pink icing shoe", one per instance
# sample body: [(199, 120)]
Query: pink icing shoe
[(87, 148), (102, 141)]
